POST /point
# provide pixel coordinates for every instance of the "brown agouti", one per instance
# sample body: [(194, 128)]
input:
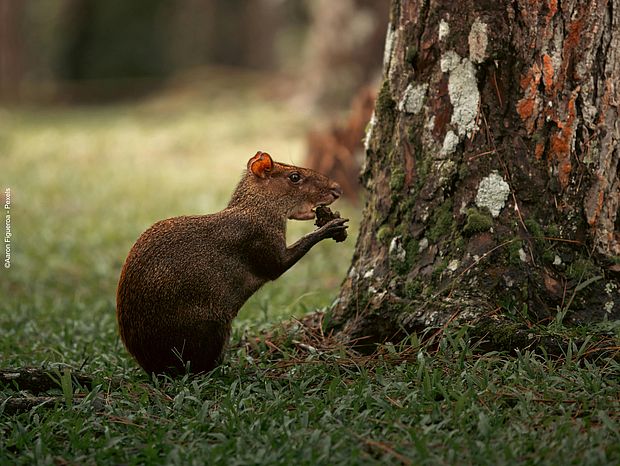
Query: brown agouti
[(186, 278)]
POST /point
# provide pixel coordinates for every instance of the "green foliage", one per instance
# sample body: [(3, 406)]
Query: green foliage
[(553, 230), (397, 180), (441, 221), (439, 268), (414, 288), (384, 234), (581, 269), (477, 222), (534, 228), (385, 105), (514, 247), (430, 405), (548, 256)]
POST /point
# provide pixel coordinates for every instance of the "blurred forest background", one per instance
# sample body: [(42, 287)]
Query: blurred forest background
[(321, 56), (115, 114), (93, 50)]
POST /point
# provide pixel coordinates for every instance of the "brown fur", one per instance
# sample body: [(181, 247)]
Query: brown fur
[(186, 278)]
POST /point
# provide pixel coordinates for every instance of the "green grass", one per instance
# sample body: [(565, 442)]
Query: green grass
[(443, 406), (87, 181)]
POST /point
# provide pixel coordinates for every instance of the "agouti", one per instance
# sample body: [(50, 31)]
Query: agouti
[(186, 278)]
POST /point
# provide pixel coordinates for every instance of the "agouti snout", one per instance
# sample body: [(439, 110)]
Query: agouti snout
[(186, 278)]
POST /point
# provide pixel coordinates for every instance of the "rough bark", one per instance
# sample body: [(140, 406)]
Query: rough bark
[(492, 168)]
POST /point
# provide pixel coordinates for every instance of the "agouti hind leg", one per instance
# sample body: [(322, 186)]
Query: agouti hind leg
[(198, 347)]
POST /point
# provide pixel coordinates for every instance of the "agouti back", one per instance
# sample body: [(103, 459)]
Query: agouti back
[(186, 278)]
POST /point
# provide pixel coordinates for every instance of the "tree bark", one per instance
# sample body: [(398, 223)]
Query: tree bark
[(492, 168)]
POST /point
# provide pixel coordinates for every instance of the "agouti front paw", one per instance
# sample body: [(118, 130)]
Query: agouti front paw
[(328, 220), (335, 229)]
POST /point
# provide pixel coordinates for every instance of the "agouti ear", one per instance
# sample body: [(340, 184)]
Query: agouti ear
[(260, 164)]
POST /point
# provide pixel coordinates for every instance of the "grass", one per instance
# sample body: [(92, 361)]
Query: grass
[(87, 181), (443, 405)]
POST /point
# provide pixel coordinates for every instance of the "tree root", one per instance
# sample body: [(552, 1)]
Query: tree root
[(37, 381)]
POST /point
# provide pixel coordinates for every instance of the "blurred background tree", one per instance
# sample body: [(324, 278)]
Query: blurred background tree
[(324, 57), (114, 114), (11, 49), (106, 49), (344, 49)]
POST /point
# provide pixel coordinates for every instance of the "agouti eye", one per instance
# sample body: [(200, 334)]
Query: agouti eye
[(294, 177)]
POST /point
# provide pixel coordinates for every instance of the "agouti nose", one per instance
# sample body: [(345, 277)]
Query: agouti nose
[(336, 190)]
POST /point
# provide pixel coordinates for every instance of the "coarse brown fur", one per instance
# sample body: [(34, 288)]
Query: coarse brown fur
[(186, 278)]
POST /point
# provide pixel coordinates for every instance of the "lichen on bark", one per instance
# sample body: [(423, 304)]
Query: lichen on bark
[(492, 168)]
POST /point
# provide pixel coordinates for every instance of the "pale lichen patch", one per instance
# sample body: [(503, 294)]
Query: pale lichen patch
[(389, 46), (450, 141), (396, 250), (478, 41), (369, 130), (463, 91), (423, 244), (453, 265), (413, 98), (444, 29), (449, 61), (492, 193), (445, 170)]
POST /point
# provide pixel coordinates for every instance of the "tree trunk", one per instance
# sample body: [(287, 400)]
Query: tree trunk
[(344, 49), (491, 168), (11, 49)]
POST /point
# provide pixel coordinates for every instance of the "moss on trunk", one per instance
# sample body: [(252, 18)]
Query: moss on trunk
[(492, 169)]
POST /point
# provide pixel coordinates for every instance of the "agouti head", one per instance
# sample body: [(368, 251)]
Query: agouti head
[(293, 191)]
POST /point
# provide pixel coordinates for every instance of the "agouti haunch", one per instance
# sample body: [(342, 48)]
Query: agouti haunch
[(186, 278)]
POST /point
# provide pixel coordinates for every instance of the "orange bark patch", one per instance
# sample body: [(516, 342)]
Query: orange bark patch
[(560, 143), (599, 207), (564, 170), (529, 81), (538, 152), (574, 33), (547, 71), (527, 107), (571, 43), (553, 9)]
